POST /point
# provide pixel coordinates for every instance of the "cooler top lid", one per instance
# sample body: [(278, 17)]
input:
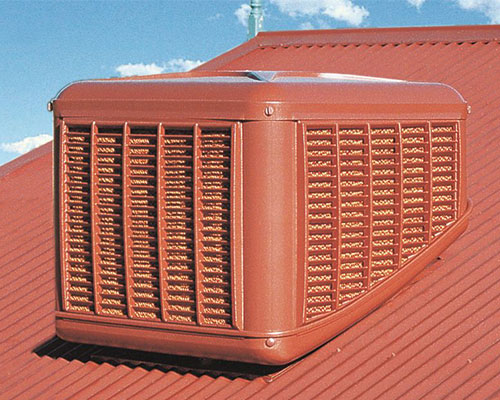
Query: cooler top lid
[(259, 95)]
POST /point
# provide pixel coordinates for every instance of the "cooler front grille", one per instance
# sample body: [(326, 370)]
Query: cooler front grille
[(77, 245), (176, 187), (145, 222), (107, 223), (212, 226), (377, 195)]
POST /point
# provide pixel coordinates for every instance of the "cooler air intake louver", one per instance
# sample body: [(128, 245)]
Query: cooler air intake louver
[(248, 216)]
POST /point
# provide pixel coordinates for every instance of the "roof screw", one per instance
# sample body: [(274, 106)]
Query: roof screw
[(469, 109), (270, 342), (50, 106), (269, 111)]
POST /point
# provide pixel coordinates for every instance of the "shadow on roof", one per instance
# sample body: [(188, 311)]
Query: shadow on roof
[(57, 348)]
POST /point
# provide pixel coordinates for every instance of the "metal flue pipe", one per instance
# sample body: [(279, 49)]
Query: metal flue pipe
[(255, 19)]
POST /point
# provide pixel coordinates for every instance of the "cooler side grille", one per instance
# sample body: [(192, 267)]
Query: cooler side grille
[(416, 185), (322, 256), (146, 222), (397, 189), (444, 139), (386, 200), (355, 206)]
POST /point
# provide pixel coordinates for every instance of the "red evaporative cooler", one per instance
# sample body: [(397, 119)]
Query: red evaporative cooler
[(248, 216)]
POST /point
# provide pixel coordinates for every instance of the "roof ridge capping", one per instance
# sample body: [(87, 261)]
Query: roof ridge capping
[(402, 35), (367, 36)]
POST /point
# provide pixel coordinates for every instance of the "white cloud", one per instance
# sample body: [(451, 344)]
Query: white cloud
[(181, 65), (26, 144), (416, 3), (242, 14), (138, 69), (306, 26), (490, 8), (173, 65), (341, 10), (215, 17), (323, 24)]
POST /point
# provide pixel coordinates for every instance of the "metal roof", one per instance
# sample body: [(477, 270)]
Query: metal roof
[(438, 337)]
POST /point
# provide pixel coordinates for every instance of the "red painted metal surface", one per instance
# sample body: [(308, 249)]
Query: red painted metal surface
[(384, 196), (439, 337)]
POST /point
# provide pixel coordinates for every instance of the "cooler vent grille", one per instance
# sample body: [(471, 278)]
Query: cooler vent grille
[(78, 239), (444, 176), (140, 206), (383, 191), (386, 201), (107, 224), (213, 226), (354, 188), (145, 213), (322, 228), (176, 188)]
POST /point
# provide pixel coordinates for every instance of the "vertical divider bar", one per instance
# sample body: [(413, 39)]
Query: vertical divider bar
[(160, 217), (196, 222), (459, 167), (127, 261), (63, 216), (370, 207), (401, 188), (307, 229), (297, 189), (430, 177), (93, 214), (335, 132), (458, 137), (303, 139), (236, 226)]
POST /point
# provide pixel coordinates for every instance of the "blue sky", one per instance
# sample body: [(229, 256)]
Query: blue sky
[(46, 44)]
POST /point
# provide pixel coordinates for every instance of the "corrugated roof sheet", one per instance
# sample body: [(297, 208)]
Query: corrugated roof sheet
[(438, 337)]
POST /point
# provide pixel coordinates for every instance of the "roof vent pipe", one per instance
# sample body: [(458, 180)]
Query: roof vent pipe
[(255, 19)]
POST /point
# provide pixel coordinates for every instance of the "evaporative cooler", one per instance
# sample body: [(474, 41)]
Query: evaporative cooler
[(248, 216)]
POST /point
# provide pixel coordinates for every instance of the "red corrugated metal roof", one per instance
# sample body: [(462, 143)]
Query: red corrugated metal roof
[(439, 337)]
